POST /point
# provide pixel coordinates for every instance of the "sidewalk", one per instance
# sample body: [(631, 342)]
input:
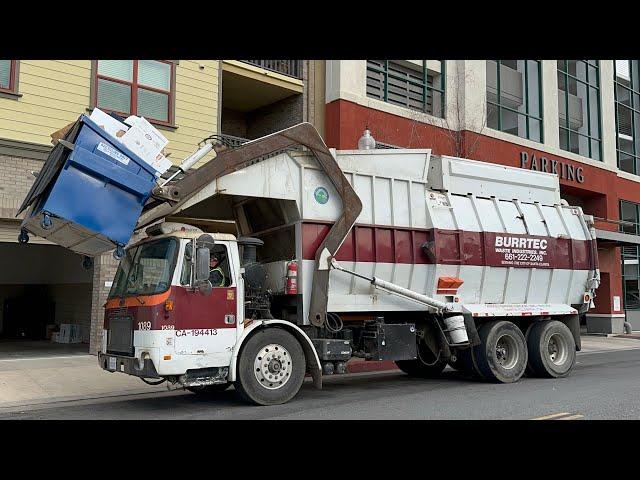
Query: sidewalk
[(30, 381)]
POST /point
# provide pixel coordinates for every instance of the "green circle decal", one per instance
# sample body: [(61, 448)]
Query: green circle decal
[(321, 195)]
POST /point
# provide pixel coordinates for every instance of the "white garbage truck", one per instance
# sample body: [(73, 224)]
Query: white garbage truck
[(390, 254)]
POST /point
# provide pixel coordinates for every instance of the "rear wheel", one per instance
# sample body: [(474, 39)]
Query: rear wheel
[(502, 355), (552, 349), (271, 367)]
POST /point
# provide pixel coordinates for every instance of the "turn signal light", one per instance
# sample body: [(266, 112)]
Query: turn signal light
[(168, 305), (167, 357)]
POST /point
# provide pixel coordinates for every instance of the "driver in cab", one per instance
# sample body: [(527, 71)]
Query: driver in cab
[(216, 274)]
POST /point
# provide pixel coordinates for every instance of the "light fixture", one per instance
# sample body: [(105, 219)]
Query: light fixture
[(366, 142)]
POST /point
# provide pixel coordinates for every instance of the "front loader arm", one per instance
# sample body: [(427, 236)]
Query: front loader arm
[(177, 193)]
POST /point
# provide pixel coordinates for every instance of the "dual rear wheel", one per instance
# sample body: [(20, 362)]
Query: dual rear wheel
[(549, 350)]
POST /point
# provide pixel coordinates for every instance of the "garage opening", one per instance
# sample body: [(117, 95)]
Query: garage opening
[(45, 301)]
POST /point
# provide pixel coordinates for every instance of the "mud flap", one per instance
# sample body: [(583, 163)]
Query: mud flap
[(472, 331)]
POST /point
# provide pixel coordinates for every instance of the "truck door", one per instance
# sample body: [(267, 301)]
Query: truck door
[(206, 324)]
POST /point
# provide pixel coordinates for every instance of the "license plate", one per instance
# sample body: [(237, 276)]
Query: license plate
[(112, 363)]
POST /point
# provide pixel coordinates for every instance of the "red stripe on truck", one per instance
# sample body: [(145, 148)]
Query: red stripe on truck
[(383, 244)]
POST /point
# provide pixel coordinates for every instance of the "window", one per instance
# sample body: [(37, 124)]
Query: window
[(414, 84), (9, 76), (579, 107), (146, 269), (136, 87), (514, 100), (630, 212), (627, 95), (219, 271)]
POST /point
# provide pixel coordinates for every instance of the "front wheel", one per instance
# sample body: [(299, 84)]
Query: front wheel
[(552, 349), (271, 367)]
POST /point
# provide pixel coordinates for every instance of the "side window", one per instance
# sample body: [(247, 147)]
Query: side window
[(219, 271), (185, 275)]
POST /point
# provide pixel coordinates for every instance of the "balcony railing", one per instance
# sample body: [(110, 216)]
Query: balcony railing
[(291, 68)]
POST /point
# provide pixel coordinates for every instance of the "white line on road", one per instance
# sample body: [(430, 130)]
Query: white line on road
[(549, 417)]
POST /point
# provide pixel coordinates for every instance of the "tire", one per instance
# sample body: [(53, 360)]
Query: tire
[(552, 349), (265, 377), (502, 356), (427, 365), (210, 389)]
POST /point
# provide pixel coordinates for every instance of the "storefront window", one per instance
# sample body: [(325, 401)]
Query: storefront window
[(514, 100), (579, 95), (627, 95), (630, 214), (414, 84)]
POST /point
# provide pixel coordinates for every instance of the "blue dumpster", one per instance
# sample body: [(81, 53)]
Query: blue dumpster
[(90, 192)]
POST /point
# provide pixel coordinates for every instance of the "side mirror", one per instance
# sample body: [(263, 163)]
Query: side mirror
[(204, 287), (203, 257)]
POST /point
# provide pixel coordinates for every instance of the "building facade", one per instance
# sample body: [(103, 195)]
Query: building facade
[(579, 119), (43, 285)]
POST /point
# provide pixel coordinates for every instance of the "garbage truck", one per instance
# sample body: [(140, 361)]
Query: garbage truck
[(390, 254)]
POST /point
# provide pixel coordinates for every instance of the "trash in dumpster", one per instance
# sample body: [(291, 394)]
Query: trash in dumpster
[(93, 186)]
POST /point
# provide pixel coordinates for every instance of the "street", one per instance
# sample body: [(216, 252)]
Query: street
[(603, 385)]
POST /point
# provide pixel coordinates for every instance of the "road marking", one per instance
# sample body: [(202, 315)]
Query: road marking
[(549, 417), (560, 416), (572, 417)]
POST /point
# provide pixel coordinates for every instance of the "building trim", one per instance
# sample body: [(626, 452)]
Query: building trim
[(18, 148)]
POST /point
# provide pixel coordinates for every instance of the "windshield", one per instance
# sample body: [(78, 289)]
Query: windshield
[(146, 269)]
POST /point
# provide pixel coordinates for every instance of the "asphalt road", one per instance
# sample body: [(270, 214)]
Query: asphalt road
[(602, 385)]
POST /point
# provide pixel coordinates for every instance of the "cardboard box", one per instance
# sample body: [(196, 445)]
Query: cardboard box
[(147, 142), (55, 136), (109, 124), (64, 334)]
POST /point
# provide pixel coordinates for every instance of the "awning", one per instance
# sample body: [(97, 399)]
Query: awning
[(607, 238)]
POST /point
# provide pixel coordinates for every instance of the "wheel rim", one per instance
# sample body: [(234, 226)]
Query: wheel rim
[(507, 353), (557, 349), (272, 366)]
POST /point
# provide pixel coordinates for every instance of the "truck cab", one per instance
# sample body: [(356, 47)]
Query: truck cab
[(176, 312)]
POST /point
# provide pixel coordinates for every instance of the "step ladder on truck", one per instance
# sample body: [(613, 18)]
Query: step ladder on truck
[(396, 255)]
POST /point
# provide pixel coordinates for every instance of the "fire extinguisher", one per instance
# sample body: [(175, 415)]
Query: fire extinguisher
[(292, 279)]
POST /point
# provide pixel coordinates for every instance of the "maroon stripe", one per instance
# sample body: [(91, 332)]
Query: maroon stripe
[(368, 243)]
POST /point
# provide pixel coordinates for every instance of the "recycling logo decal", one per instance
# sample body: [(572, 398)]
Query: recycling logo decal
[(321, 195)]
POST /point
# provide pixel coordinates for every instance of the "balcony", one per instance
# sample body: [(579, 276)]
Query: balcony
[(290, 68)]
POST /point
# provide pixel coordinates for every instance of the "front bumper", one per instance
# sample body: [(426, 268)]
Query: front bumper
[(128, 365)]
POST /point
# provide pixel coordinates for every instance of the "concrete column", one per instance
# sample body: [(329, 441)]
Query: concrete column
[(346, 79), (608, 113), (550, 111), (104, 269), (471, 94)]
